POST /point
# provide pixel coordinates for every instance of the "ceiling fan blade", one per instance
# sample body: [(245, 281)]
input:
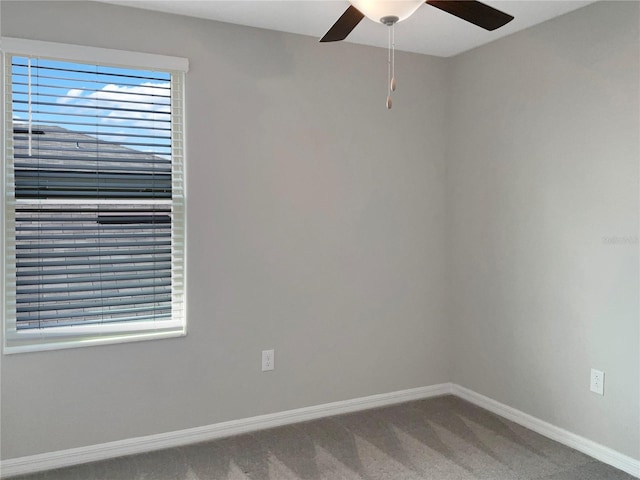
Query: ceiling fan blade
[(474, 12), (347, 22)]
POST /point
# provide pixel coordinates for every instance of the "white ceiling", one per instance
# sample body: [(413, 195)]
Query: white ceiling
[(429, 31)]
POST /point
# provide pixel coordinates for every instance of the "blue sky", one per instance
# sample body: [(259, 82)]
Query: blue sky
[(121, 105)]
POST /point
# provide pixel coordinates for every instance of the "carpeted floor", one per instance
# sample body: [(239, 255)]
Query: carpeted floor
[(442, 438)]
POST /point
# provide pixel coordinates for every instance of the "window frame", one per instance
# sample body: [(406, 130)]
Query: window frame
[(54, 338)]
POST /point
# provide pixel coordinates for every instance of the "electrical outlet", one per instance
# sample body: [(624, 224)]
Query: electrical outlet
[(268, 360), (597, 381)]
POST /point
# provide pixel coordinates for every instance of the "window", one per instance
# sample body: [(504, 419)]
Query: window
[(93, 196)]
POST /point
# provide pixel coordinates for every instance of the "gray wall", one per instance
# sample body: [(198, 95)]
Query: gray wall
[(542, 172), (315, 227), (318, 220)]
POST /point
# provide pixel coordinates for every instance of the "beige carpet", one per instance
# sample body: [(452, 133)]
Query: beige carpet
[(442, 438)]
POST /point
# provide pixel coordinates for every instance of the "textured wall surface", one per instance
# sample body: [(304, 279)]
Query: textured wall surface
[(542, 180), (315, 227)]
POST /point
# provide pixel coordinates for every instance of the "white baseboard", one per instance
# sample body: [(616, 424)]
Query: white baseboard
[(104, 451), (586, 446)]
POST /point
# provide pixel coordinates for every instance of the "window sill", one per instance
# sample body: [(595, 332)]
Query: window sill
[(76, 337)]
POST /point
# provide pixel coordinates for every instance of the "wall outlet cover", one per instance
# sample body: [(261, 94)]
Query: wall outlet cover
[(268, 360), (597, 381)]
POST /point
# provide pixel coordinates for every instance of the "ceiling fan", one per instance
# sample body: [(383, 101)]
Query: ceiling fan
[(390, 12)]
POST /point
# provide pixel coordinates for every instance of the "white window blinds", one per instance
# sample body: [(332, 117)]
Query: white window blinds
[(94, 203)]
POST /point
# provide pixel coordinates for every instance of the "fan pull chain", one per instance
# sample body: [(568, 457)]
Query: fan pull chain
[(389, 103), (391, 64), (393, 57)]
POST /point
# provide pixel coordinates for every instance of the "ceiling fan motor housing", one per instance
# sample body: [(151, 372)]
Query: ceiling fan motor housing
[(383, 11), (389, 20)]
